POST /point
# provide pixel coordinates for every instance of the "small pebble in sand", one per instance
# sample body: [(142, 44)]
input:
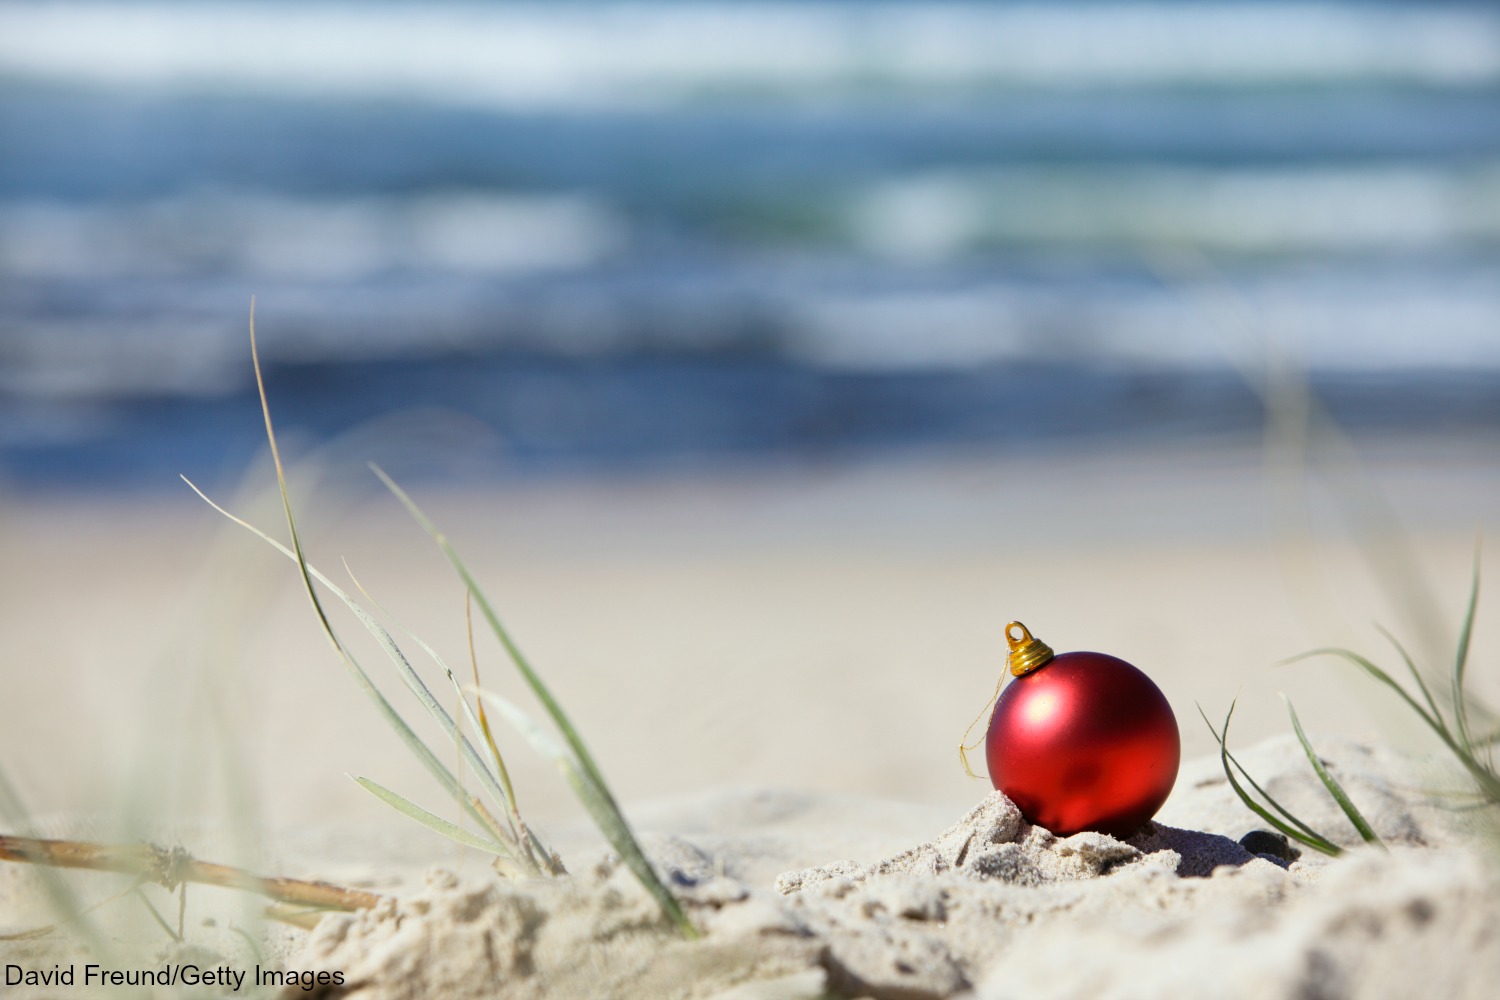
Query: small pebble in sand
[(1267, 842)]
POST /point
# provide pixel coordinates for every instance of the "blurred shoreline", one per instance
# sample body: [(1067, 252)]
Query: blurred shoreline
[(498, 420)]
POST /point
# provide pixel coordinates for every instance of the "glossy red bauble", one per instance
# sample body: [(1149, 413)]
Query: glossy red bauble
[(1084, 742)]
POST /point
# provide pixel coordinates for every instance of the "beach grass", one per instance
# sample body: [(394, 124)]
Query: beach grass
[(496, 825), (500, 829), (1452, 726)]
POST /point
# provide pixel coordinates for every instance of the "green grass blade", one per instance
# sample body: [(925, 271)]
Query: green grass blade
[(1411, 667), (1461, 661), (1300, 832), (533, 680), (1434, 722), (1331, 783), (536, 858), (474, 723), (545, 856), (539, 859), (434, 823), (392, 717), (1486, 779), (484, 722), (419, 688), (414, 743), (513, 815), (286, 499), (423, 694), (1286, 813), (606, 814)]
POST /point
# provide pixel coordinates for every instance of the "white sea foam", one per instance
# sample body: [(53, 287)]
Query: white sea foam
[(1327, 322), (1329, 319), (1276, 210), (929, 218), (306, 239), (631, 53)]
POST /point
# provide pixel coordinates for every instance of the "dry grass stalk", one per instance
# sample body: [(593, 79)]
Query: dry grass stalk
[(171, 867)]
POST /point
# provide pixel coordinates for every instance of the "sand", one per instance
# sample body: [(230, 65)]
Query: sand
[(989, 907), (673, 616), (775, 669), (992, 907)]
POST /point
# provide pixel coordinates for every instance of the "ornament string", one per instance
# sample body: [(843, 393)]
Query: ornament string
[(964, 746), (1027, 653)]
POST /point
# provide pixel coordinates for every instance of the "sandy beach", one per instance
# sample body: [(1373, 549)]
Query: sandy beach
[(764, 361), (775, 670)]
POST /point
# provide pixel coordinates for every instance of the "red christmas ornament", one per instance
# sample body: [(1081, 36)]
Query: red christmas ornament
[(1081, 741)]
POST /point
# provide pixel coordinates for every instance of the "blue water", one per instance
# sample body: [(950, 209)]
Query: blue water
[(645, 234)]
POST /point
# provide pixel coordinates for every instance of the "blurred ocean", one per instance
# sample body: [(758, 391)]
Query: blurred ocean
[(626, 233)]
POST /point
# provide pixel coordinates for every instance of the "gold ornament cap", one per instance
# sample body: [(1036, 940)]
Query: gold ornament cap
[(1027, 652)]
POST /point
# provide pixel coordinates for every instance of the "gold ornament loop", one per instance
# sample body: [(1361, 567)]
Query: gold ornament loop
[(1027, 652)]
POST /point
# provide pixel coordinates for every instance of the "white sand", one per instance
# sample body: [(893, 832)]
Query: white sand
[(674, 618), (992, 906), (826, 634)]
